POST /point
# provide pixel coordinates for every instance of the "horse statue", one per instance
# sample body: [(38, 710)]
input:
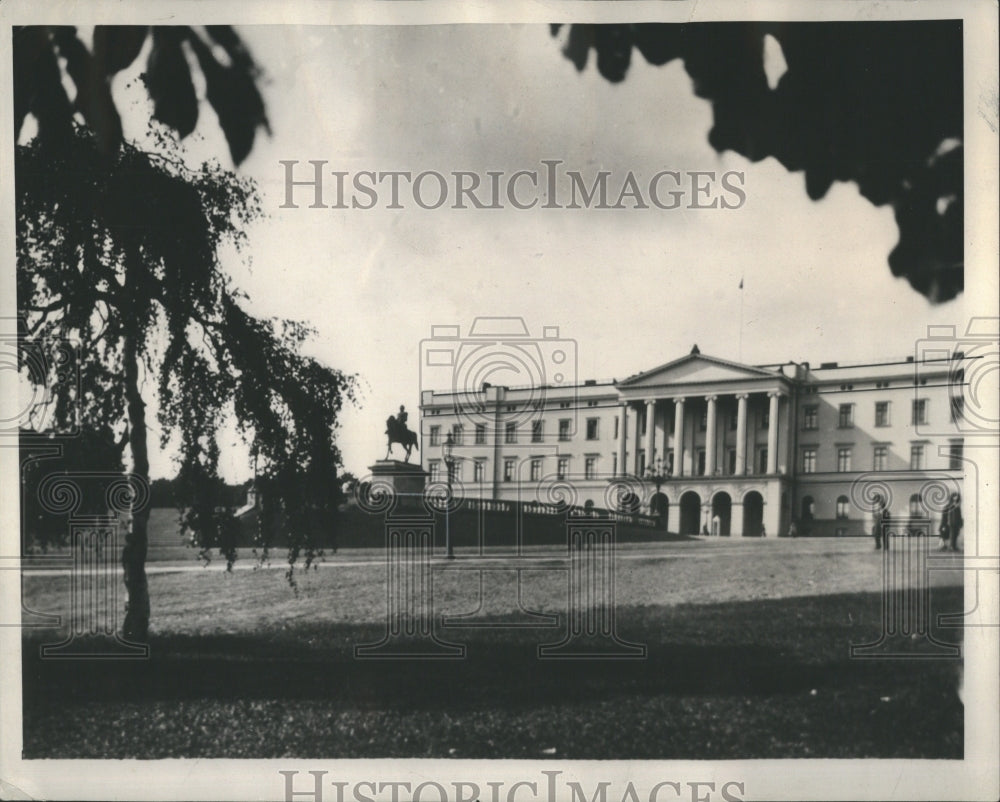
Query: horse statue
[(397, 432)]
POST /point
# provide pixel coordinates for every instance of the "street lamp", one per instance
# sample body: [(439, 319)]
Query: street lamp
[(657, 474), (448, 451)]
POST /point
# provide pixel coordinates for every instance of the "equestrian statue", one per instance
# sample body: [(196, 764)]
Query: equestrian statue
[(397, 432)]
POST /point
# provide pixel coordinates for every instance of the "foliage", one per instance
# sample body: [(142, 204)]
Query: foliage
[(226, 66), (878, 103)]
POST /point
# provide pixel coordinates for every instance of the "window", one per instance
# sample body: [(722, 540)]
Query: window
[(645, 420), (642, 461), (562, 467), (616, 427), (480, 434), (762, 460), (537, 429), (955, 449), (536, 469), (916, 458), (808, 460), (843, 460), (670, 462), (479, 471), (564, 429), (916, 506), (614, 464), (592, 428), (701, 462), (734, 421), (703, 421), (434, 466), (731, 457), (810, 416), (564, 405), (454, 470), (881, 413), (510, 432), (919, 411), (435, 435), (881, 458), (957, 408), (457, 433), (508, 470), (590, 468), (842, 503), (765, 419), (591, 403), (845, 418)]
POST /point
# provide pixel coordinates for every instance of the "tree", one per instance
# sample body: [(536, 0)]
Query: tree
[(878, 103), (119, 251)]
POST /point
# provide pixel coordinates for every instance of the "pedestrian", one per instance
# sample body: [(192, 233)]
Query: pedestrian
[(881, 517), (953, 518), (793, 530)]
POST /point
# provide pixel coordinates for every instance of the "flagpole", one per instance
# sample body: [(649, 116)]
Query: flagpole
[(740, 358)]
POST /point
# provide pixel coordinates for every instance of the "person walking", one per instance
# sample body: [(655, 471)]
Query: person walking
[(953, 520), (881, 517)]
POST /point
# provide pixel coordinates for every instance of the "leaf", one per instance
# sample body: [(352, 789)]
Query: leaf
[(38, 85), (117, 46), (168, 81), (93, 94), (233, 94)]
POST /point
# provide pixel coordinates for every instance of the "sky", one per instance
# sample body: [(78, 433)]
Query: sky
[(632, 288)]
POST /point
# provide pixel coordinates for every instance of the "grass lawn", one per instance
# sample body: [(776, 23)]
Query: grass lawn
[(747, 656)]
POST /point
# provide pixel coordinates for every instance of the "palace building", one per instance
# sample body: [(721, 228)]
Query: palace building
[(717, 446)]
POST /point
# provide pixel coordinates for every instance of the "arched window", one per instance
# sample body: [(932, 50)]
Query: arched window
[(916, 506), (842, 503)]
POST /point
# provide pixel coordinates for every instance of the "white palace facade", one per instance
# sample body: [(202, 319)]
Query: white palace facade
[(717, 446)]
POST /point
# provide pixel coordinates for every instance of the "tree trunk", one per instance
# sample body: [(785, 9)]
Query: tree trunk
[(136, 626)]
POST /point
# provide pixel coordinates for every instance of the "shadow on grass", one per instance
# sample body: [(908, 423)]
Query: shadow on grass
[(745, 648)]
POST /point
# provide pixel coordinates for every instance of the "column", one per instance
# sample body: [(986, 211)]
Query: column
[(678, 437), (636, 443), (741, 434), (710, 436), (650, 432), (622, 439), (772, 433)]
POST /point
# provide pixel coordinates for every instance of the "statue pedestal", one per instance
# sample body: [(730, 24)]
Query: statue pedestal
[(407, 480)]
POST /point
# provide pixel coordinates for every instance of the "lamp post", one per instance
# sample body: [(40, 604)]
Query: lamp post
[(657, 474), (447, 451)]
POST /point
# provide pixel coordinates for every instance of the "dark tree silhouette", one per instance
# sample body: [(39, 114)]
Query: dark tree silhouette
[(878, 103), (229, 71), (119, 251)]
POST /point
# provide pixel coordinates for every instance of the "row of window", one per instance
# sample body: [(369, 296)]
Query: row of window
[(880, 458), (916, 508), (565, 434), (510, 469), (845, 413), (593, 427)]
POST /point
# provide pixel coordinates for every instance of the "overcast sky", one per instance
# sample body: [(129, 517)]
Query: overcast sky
[(634, 288)]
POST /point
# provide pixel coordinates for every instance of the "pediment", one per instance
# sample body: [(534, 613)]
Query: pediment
[(696, 369)]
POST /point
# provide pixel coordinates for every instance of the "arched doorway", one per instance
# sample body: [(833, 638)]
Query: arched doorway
[(806, 518), (659, 507), (722, 513), (690, 513), (753, 514)]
